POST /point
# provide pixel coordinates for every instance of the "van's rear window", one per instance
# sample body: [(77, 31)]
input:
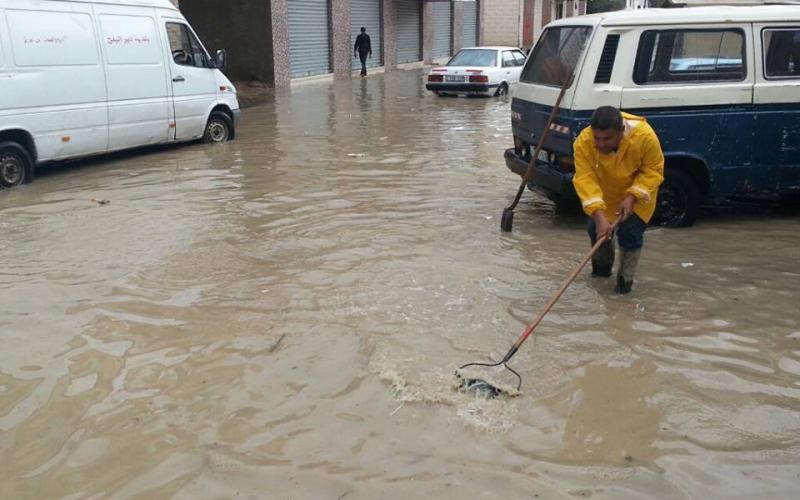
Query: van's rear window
[(556, 55), (781, 52), (679, 56)]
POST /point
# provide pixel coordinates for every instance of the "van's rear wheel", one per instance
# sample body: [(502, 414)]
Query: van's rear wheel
[(678, 200), (16, 165), (219, 128)]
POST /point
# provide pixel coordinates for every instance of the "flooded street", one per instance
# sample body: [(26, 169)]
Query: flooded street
[(280, 317)]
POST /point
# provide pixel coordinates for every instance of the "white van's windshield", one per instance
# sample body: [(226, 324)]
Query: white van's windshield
[(556, 55)]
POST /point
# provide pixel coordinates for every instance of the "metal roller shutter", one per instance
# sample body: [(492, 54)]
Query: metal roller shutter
[(409, 20), (309, 39), (470, 24), (442, 29), (367, 13)]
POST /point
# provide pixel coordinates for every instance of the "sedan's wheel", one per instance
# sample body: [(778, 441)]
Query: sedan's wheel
[(502, 90), (16, 165), (218, 128)]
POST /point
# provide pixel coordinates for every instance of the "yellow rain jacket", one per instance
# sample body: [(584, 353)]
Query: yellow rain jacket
[(637, 168)]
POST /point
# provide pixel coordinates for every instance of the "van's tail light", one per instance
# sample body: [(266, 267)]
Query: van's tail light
[(479, 79), (435, 78)]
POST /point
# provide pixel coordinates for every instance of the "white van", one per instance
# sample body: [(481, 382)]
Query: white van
[(719, 85), (80, 78)]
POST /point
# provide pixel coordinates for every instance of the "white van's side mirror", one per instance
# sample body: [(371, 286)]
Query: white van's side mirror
[(219, 59)]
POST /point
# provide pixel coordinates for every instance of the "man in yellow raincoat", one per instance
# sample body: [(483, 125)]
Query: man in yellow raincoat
[(619, 166)]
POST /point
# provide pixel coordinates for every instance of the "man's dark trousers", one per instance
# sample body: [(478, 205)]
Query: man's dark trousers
[(363, 57)]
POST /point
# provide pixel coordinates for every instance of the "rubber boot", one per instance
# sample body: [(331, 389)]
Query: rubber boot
[(627, 268), (603, 260)]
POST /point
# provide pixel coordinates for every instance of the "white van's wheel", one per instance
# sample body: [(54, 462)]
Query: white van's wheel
[(16, 165), (218, 128)]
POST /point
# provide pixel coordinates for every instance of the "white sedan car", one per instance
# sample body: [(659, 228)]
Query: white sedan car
[(478, 71)]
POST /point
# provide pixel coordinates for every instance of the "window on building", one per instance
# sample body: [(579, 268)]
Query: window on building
[(559, 10), (687, 56), (781, 52), (186, 49)]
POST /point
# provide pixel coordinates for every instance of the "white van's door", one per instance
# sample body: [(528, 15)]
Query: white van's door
[(139, 105), (194, 84), (54, 85)]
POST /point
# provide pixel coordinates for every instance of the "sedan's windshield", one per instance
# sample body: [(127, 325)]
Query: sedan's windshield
[(474, 57)]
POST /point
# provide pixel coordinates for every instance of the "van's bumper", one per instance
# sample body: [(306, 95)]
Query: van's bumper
[(545, 178), (462, 87)]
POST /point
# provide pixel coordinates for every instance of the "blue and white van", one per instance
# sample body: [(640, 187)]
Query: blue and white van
[(720, 86)]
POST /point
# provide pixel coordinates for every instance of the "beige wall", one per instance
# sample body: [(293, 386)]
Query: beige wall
[(501, 22)]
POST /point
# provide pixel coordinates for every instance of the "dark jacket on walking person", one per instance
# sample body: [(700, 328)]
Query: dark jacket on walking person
[(362, 49)]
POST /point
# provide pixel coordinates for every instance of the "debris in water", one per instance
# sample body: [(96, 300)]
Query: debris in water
[(397, 409), (277, 343), (355, 155), (100, 201), (482, 385), (481, 388), (436, 387), (687, 264)]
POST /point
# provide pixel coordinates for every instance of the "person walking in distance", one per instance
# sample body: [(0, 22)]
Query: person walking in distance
[(362, 49), (619, 166)]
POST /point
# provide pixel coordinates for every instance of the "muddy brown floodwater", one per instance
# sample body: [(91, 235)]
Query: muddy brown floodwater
[(280, 317)]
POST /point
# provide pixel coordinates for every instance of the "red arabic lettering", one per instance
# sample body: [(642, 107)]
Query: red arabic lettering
[(128, 40), (58, 40)]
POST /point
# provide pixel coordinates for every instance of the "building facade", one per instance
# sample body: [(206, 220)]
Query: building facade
[(501, 22), (520, 22), (276, 41)]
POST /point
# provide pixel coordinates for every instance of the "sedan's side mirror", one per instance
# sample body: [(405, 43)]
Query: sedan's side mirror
[(219, 59)]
